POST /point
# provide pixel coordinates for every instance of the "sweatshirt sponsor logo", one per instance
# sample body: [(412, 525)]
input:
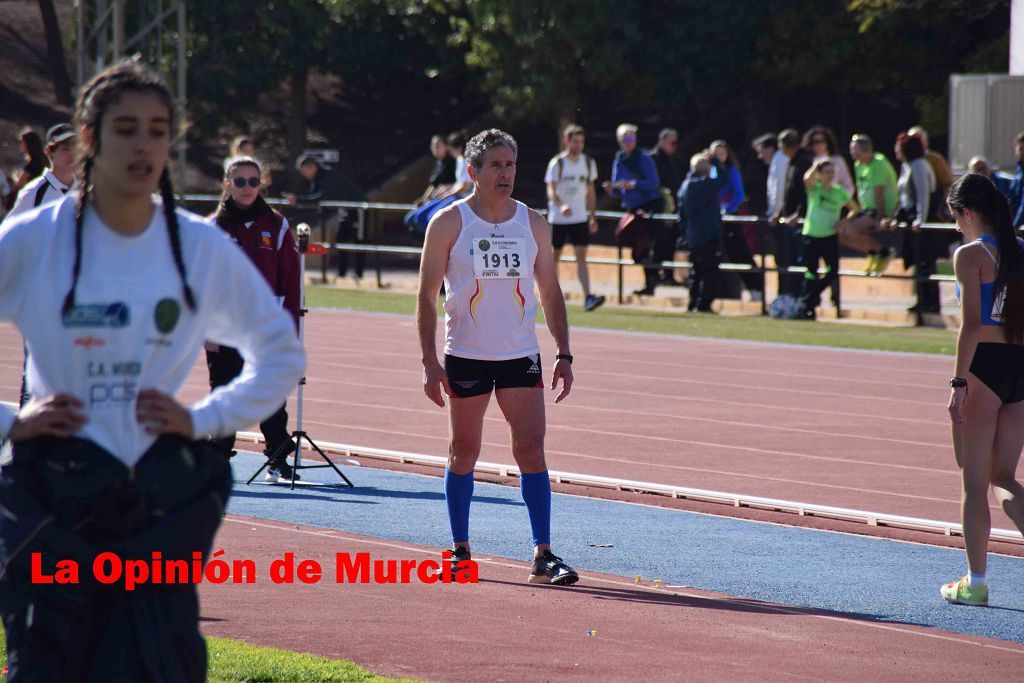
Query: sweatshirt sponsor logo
[(166, 315), (89, 342), (265, 242), (114, 315)]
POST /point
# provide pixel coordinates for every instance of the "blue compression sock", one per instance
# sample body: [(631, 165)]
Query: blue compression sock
[(458, 492), (536, 489)]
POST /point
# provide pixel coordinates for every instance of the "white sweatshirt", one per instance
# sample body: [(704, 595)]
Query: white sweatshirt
[(131, 328)]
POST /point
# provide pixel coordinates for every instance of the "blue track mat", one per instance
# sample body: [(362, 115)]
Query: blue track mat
[(857, 575)]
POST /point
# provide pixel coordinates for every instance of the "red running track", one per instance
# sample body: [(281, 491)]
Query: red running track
[(865, 430), (606, 628)]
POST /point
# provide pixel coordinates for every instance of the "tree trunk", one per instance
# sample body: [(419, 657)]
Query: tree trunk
[(55, 53), (297, 114)]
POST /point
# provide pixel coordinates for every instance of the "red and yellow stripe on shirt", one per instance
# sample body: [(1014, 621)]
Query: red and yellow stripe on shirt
[(521, 300), (475, 300)]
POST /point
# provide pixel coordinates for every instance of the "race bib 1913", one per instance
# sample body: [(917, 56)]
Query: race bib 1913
[(499, 257)]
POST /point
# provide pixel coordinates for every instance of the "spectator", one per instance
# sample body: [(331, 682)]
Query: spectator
[(5, 190), (822, 143), (572, 201), (701, 218), (635, 183), (34, 158), (669, 175), (263, 235), (670, 178), (878, 196), (981, 166), (442, 176), (243, 146), (920, 249), (55, 181), (730, 198), (767, 149), (940, 167), (825, 201), (788, 244), (417, 219), (463, 185), (1017, 185), (317, 183)]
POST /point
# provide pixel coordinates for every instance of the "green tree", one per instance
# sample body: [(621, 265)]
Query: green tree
[(535, 58)]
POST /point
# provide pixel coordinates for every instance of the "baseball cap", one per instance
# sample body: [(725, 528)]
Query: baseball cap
[(59, 133)]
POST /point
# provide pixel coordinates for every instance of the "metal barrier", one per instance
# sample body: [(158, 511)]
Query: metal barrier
[(365, 210)]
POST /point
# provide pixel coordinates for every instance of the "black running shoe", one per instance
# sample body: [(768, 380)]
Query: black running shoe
[(549, 568), (459, 553)]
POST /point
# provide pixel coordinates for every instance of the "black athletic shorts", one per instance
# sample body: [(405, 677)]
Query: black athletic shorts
[(577, 233), (468, 377), (1001, 368)]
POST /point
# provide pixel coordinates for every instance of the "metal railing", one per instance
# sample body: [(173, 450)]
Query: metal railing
[(367, 215)]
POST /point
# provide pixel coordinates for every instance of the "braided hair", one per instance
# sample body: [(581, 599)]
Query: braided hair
[(976, 192), (105, 89)]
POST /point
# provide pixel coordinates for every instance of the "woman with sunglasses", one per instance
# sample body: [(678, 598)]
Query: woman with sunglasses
[(823, 144), (114, 290), (264, 237)]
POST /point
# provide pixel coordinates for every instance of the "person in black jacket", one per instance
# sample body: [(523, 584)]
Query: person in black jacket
[(670, 178), (318, 182), (701, 219), (788, 249)]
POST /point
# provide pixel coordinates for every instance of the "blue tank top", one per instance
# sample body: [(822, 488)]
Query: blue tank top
[(991, 300)]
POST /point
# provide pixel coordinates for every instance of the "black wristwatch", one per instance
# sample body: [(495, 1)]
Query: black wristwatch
[(564, 356), (957, 382)]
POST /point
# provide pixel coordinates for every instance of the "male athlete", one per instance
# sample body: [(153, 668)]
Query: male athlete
[(489, 250)]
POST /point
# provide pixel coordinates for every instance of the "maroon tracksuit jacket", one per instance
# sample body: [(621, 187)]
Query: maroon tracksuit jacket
[(265, 238)]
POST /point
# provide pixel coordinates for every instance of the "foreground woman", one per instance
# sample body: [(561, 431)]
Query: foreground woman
[(114, 291)]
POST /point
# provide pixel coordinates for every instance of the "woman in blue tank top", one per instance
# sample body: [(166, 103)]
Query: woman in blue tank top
[(987, 400)]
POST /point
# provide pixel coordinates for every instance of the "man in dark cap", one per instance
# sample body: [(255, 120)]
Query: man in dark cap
[(57, 179)]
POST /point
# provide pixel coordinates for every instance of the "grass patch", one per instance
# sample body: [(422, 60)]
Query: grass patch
[(755, 328), (231, 660)]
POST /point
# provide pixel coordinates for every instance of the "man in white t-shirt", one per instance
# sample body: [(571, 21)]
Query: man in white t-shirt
[(571, 203)]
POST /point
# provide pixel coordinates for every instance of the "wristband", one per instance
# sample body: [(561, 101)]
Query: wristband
[(564, 356), (958, 382)]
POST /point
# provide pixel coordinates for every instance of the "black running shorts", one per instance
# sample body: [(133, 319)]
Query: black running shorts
[(468, 377), (577, 233), (1001, 368)]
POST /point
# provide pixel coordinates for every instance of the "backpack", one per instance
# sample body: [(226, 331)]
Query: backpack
[(785, 307)]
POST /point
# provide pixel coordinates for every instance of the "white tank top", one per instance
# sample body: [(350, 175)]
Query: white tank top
[(490, 308)]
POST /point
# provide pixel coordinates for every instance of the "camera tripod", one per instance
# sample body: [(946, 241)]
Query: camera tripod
[(294, 442)]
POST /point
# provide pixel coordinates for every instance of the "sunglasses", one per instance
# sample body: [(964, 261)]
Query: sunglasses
[(242, 182)]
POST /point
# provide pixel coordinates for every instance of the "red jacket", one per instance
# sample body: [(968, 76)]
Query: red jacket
[(263, 234)]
